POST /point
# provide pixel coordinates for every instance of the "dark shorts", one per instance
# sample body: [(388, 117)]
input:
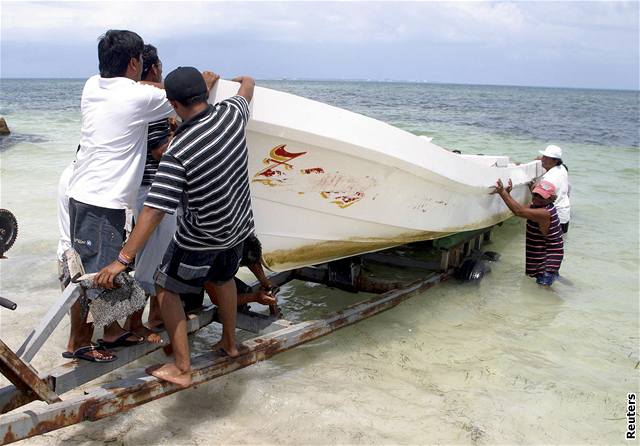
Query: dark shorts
[(97, 234), (192, 302), (565, 227), (185, 272)]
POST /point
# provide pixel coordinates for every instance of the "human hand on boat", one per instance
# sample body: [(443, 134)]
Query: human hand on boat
[(210, 78), (499, 188), (106, 275)]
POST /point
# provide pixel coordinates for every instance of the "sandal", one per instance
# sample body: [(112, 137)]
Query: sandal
[(121, 341), (69, 355), (83, 353)]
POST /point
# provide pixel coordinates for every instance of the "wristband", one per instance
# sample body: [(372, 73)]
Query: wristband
[(124, 260), (126, 257)]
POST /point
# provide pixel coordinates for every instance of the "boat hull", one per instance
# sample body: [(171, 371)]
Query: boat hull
[(319, 196)]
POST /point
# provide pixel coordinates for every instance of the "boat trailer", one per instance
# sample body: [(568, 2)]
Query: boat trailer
[(454, 255)]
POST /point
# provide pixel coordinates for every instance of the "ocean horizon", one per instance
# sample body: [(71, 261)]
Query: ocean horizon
[(380, 81)]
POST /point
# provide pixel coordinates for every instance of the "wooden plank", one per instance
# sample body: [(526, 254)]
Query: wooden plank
[(76, 373), (49, 322), (23, 376), (139, 388), (444, 259)]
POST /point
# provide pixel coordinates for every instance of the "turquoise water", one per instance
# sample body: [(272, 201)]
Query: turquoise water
[(502, 362)]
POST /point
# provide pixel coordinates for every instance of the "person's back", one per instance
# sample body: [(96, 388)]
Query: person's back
[(208, 155), (207, 161), (116, 110), (115, 113), (558, 175)]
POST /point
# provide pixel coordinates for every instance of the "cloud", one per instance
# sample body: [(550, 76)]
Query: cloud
[(448, 22), (528, 34)]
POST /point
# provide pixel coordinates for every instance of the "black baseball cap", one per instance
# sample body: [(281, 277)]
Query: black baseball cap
[(184, 83)]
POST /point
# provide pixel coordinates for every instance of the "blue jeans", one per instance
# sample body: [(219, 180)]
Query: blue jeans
[(97, 234)]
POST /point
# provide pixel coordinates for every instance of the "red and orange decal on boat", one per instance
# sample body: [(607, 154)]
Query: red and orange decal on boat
[(316, 170), (341, 199), (278, 162)]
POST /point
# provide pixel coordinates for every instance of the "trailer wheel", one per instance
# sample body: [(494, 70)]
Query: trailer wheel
[(472, 270), (8, 230)]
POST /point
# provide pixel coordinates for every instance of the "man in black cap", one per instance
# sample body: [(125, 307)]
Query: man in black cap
[(206, 162)]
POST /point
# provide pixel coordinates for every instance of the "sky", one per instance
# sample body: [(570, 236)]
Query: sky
[(543, 43)]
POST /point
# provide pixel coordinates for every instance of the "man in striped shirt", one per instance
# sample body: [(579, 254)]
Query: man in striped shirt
[(545, 246), (206, 163)]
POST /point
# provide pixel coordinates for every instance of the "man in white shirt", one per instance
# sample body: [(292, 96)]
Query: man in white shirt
[(116, 110), (558, 175)]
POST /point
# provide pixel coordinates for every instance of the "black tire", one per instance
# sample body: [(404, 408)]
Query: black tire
[(8, 230), (472, 270)]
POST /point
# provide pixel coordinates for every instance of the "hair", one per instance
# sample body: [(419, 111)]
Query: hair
[(561, 163), (116, 48), (149, 59), (193, 100)]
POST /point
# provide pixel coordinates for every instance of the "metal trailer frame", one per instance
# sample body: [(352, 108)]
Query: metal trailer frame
[(273, 336)]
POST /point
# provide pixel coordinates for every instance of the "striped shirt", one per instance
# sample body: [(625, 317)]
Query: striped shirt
[(207, 162), (158, 134), (544, 252)]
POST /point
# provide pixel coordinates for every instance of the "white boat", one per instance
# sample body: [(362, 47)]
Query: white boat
[(327, 183)]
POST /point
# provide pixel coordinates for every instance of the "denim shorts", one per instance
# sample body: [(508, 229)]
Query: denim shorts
[(185, 272), (97, 234)]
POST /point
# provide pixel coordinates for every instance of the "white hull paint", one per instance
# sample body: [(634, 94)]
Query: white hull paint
[(327, 183)]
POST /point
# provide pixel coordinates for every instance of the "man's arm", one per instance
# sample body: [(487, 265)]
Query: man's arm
[(539, 215), (163, 197), (247, 85), (148, 220), (159, 85), (157, 153)]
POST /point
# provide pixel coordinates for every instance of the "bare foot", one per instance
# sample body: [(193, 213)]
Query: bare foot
[(171, 373), (132, 338), (154, 338), (149, 335), (224, 350)]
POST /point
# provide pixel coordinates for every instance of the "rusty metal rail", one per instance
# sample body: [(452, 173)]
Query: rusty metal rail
[(139, 388)]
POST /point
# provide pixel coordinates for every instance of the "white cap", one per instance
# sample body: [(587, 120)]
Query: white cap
[(552, 152)]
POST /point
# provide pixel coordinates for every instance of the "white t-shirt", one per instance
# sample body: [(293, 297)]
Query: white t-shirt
[(559, 177), (113, 145), (64, 242)]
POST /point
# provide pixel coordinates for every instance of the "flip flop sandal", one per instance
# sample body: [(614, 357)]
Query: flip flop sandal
[(121, 341), (82, 353), (69, 355)]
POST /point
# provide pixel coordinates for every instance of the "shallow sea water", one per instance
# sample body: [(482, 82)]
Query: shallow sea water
[(501, 362)]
